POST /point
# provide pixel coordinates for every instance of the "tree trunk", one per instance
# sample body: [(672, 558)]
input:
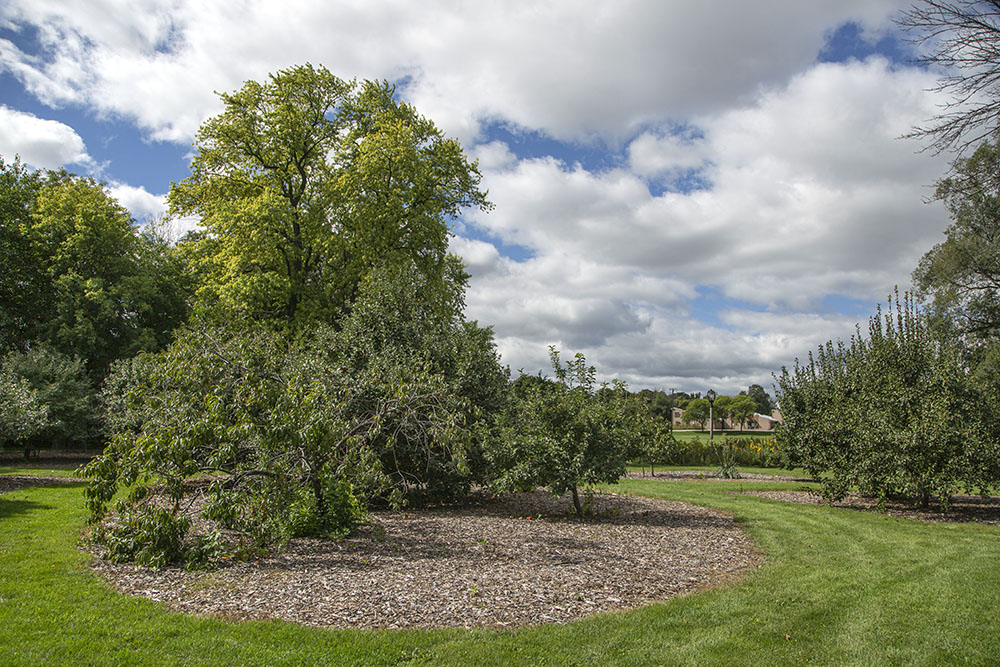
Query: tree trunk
[(320, 499), (576, 501)]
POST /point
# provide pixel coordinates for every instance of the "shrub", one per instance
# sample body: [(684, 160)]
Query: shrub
[(892, 415), (60, 383)]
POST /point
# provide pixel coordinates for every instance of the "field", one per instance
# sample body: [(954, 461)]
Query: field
[(839, 587)]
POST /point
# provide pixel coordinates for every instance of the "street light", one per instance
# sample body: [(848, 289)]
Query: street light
[(710, 395)]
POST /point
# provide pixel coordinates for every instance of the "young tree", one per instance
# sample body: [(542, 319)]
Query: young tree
[(893, 414), (562, 435), (306, 182), (646, 436)]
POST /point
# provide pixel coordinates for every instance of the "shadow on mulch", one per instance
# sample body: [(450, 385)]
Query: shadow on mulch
[(609, 509), (963, 508)]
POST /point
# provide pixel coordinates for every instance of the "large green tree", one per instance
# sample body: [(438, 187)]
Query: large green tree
[(78, 275), (306, 182), (962, 273)]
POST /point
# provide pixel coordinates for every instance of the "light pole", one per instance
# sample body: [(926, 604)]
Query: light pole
[(710, 395)]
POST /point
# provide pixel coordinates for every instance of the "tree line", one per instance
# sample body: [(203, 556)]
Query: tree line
[(302, 356)]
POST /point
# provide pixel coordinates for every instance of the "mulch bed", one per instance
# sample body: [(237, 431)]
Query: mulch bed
[(15, 482), (710, 475), (520, 559), (963, 509)]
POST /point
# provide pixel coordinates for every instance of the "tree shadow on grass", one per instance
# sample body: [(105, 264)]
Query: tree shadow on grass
[(13, 506)]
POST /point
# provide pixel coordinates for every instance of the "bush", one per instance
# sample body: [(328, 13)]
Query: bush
[(60, 383), (291, 437), (748, 451), (892, 415)]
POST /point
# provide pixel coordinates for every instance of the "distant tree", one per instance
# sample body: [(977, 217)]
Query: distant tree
[(660, 404), (81, 278), (742, 409), (696, 412), (59, 384), (22, 414), (722, 412), (762, 400), (964, 41)]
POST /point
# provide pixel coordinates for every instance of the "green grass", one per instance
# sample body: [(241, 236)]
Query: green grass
[(794, 472), (703, 436), (839, 587), (39, 471)]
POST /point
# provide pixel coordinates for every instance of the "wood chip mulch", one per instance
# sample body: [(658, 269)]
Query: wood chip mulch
[(963, 508), (710, 475), (15, 482), (520, 559)]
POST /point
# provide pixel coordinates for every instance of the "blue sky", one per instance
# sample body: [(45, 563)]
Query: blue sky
[(692, 194)]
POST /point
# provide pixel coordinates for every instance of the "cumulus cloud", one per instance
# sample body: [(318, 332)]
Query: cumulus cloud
[(811, 194), (564, 68), (142, 204), (41, 143), (804, 190)]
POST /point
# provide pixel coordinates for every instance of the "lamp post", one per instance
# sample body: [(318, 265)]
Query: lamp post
[(710, 395)]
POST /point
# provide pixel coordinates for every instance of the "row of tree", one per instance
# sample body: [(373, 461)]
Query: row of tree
[(910, 408), (301, 357)]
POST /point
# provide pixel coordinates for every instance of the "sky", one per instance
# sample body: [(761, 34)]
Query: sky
[(692, 194)]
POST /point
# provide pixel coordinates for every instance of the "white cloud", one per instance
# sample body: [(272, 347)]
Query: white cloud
[(811, 194), (41, 143), (807, 192), (143, 205), (569, 69)]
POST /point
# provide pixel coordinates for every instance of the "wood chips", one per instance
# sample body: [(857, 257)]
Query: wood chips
[(520, 559)]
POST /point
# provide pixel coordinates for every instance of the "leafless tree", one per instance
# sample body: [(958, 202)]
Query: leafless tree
[(962, 37)]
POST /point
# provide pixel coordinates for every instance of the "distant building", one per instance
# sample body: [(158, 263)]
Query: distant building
[(766, 422)]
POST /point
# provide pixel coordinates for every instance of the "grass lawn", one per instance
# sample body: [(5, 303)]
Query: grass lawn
[(840, 587), (709, 469), (39, 471), (703, 436)]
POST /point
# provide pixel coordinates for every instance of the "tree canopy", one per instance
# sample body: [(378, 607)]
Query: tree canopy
[(892, 414), (962, 273), (306, 182), (78, 275)]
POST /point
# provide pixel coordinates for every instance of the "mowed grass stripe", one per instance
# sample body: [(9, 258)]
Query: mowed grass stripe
[(839, 587)]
